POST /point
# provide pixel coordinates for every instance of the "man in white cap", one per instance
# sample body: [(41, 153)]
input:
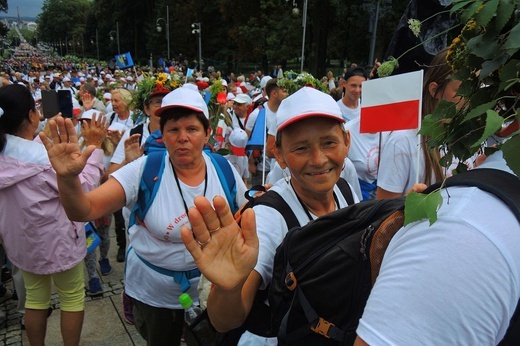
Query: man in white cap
[(130, 83), (67, 85), (241, 102)]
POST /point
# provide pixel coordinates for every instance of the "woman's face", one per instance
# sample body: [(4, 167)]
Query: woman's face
[(185, 138), (155, 104), (450, 91), (314, 150), (118, 103)]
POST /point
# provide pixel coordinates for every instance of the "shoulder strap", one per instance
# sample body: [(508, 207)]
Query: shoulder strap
[(112, 117), (138, 129), (226, 177), (503, 185), (274, 200), (148, 186), (344, 187)]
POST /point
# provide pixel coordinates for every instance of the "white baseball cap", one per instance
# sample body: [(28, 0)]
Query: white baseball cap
[(224, 82), (66, 79), (107, 96), (243, 98), (306, 103), (238, 138), (183, 98), (87, 115), (264, 81), (115, 126)]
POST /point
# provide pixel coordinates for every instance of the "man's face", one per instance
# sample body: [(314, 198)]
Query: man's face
[(240, 109), (353, 88)]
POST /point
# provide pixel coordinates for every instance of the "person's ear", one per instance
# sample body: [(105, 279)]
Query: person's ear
[(208, 133), (279, 157), (432, 88), (346, 137)]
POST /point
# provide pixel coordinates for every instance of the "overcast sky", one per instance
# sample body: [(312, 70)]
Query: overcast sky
[(27, 8)]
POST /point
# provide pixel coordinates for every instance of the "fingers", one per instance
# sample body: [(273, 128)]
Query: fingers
[(190, 243), (71, 131), (248, 224)]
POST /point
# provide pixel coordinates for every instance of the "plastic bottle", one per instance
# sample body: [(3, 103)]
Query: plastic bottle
[(191, 312), (199, 331)]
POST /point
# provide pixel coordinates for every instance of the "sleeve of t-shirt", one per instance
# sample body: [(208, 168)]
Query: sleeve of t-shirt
[(395, 165), (271, 229), (129, 176), (251, 120)]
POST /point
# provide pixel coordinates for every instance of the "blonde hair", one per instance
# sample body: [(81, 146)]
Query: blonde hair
[(125, 95)]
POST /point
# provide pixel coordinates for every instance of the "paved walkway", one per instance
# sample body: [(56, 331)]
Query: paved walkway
[(103, 324)]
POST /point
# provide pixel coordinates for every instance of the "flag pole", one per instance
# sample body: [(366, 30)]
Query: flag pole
[(419, 137)]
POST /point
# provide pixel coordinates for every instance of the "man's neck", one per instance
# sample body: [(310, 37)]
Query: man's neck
[(349, 103), (273, 105)]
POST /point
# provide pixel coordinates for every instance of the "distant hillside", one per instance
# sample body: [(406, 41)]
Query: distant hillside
[(10, 18)]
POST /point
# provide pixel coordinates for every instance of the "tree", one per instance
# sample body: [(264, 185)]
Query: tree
[(62, 20)]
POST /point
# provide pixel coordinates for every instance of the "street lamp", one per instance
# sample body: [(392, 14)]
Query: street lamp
[(198, 30), (295, 12), (97, 43), (159, 29), (111, 33)]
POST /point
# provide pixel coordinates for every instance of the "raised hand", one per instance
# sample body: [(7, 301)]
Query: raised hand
[(132, 148), (95, 132), (115, 136), (62, 147), (87, 100), (223, 252)]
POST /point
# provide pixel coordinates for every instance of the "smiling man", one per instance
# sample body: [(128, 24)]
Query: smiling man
[(350, 103)]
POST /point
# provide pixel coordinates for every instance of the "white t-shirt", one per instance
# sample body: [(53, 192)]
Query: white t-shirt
[(128, 122), (399, 162), (454, 283), (364, 151), (349, 113), (160, 243), (119, 153)]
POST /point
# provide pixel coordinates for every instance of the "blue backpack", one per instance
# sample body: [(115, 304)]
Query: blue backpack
[(152, 175)]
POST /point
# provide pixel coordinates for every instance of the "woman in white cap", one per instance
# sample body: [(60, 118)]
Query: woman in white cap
[(312, 143), (158, 266)]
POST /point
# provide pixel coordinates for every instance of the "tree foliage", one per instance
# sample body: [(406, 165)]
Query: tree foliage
[(235, 35)]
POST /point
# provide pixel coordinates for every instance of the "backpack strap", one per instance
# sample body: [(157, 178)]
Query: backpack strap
[(148, 186), (138, 129), (502, 184), (344, 187), (112, 117), (226, 177), (274, 200)]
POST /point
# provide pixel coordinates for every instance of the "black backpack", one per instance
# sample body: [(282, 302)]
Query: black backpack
[(324, 271)]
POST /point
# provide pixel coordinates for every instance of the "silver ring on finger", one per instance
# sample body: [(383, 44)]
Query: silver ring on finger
[(213, 231), (204, 243)]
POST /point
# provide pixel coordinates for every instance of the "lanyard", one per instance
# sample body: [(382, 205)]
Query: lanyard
[(306, 210), (180, 190)]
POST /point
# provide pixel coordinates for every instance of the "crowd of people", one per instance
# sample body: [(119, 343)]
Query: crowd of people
[(59, 173)]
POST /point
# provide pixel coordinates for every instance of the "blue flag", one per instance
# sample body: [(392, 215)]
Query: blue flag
[(257, 138), (189, 73), (124, 60)]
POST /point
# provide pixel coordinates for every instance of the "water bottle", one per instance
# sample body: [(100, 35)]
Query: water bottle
[(191, 312), (200, 331)]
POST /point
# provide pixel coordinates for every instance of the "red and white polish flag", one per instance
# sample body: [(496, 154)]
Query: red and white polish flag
[(392, 103)]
